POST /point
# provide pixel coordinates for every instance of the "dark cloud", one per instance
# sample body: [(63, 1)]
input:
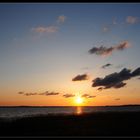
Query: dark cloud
[(30, 94), (20, 92), (68, 95), (104, 51), (106, 65), (115, 80), (81, 77), (51, 93), (136, 72), (44, 93), (88, 96), (85, 95), (117, 99), (100, 88)]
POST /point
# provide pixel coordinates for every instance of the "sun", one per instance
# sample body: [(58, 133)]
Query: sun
[(79, 100)]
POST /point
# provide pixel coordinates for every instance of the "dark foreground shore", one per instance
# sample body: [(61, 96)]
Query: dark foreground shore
[(95, 124)]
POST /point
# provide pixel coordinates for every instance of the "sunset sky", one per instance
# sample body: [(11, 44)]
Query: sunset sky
[(52, 53)]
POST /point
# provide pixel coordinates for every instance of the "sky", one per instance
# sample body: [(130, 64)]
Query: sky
[(52, 53)]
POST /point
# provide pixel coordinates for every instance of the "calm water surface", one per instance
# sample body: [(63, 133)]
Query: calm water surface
[(15, 112)]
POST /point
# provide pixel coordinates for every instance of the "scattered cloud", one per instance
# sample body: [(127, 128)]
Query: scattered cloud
[(115, 80), (131, 19), (88, 96), (51, 93), (136, 72), (122, 45), (100, 88), (85, 95), (114, 22), (68, 95), (44, 93), (81, 77), (104, 51), (30, 94), (48, 29), (20, 92), (51, 28), (106, 65), (106, 29), (61, 19), (117, 99)]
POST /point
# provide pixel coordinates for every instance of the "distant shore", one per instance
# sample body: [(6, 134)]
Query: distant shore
[(90, 124), (127, 105)]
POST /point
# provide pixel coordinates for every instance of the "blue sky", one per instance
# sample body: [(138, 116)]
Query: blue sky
[(43, 46)]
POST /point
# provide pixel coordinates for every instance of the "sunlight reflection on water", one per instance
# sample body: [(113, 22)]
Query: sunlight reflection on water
[(79, 110)]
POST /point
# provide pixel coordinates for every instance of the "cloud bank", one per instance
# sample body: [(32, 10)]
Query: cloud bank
[(104, 51), (81, 77), (115, 80)]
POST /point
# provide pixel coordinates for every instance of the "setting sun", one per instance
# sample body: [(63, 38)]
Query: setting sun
[(79, 100)]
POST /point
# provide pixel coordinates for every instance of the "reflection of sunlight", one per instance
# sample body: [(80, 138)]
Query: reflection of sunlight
[(78, 110)]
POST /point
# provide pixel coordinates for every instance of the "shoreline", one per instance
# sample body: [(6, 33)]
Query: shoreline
[(90, 124)]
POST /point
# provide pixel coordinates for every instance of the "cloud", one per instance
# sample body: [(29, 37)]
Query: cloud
[(136, 72), (44, 93), (105, 29), (131, 20), (114, 22), (20, 92), (122, 45), (61, 19), (51, 93), (88, 96), (115, 80), (68, 95), (81, 77), (29, 94), (106, 65), (117, 99), (100, 88), (104, 51), (48, 29)]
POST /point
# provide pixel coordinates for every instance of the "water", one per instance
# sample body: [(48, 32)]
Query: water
[(17, 112)]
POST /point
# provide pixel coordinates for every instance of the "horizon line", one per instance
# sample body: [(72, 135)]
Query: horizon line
[(69, 106)]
